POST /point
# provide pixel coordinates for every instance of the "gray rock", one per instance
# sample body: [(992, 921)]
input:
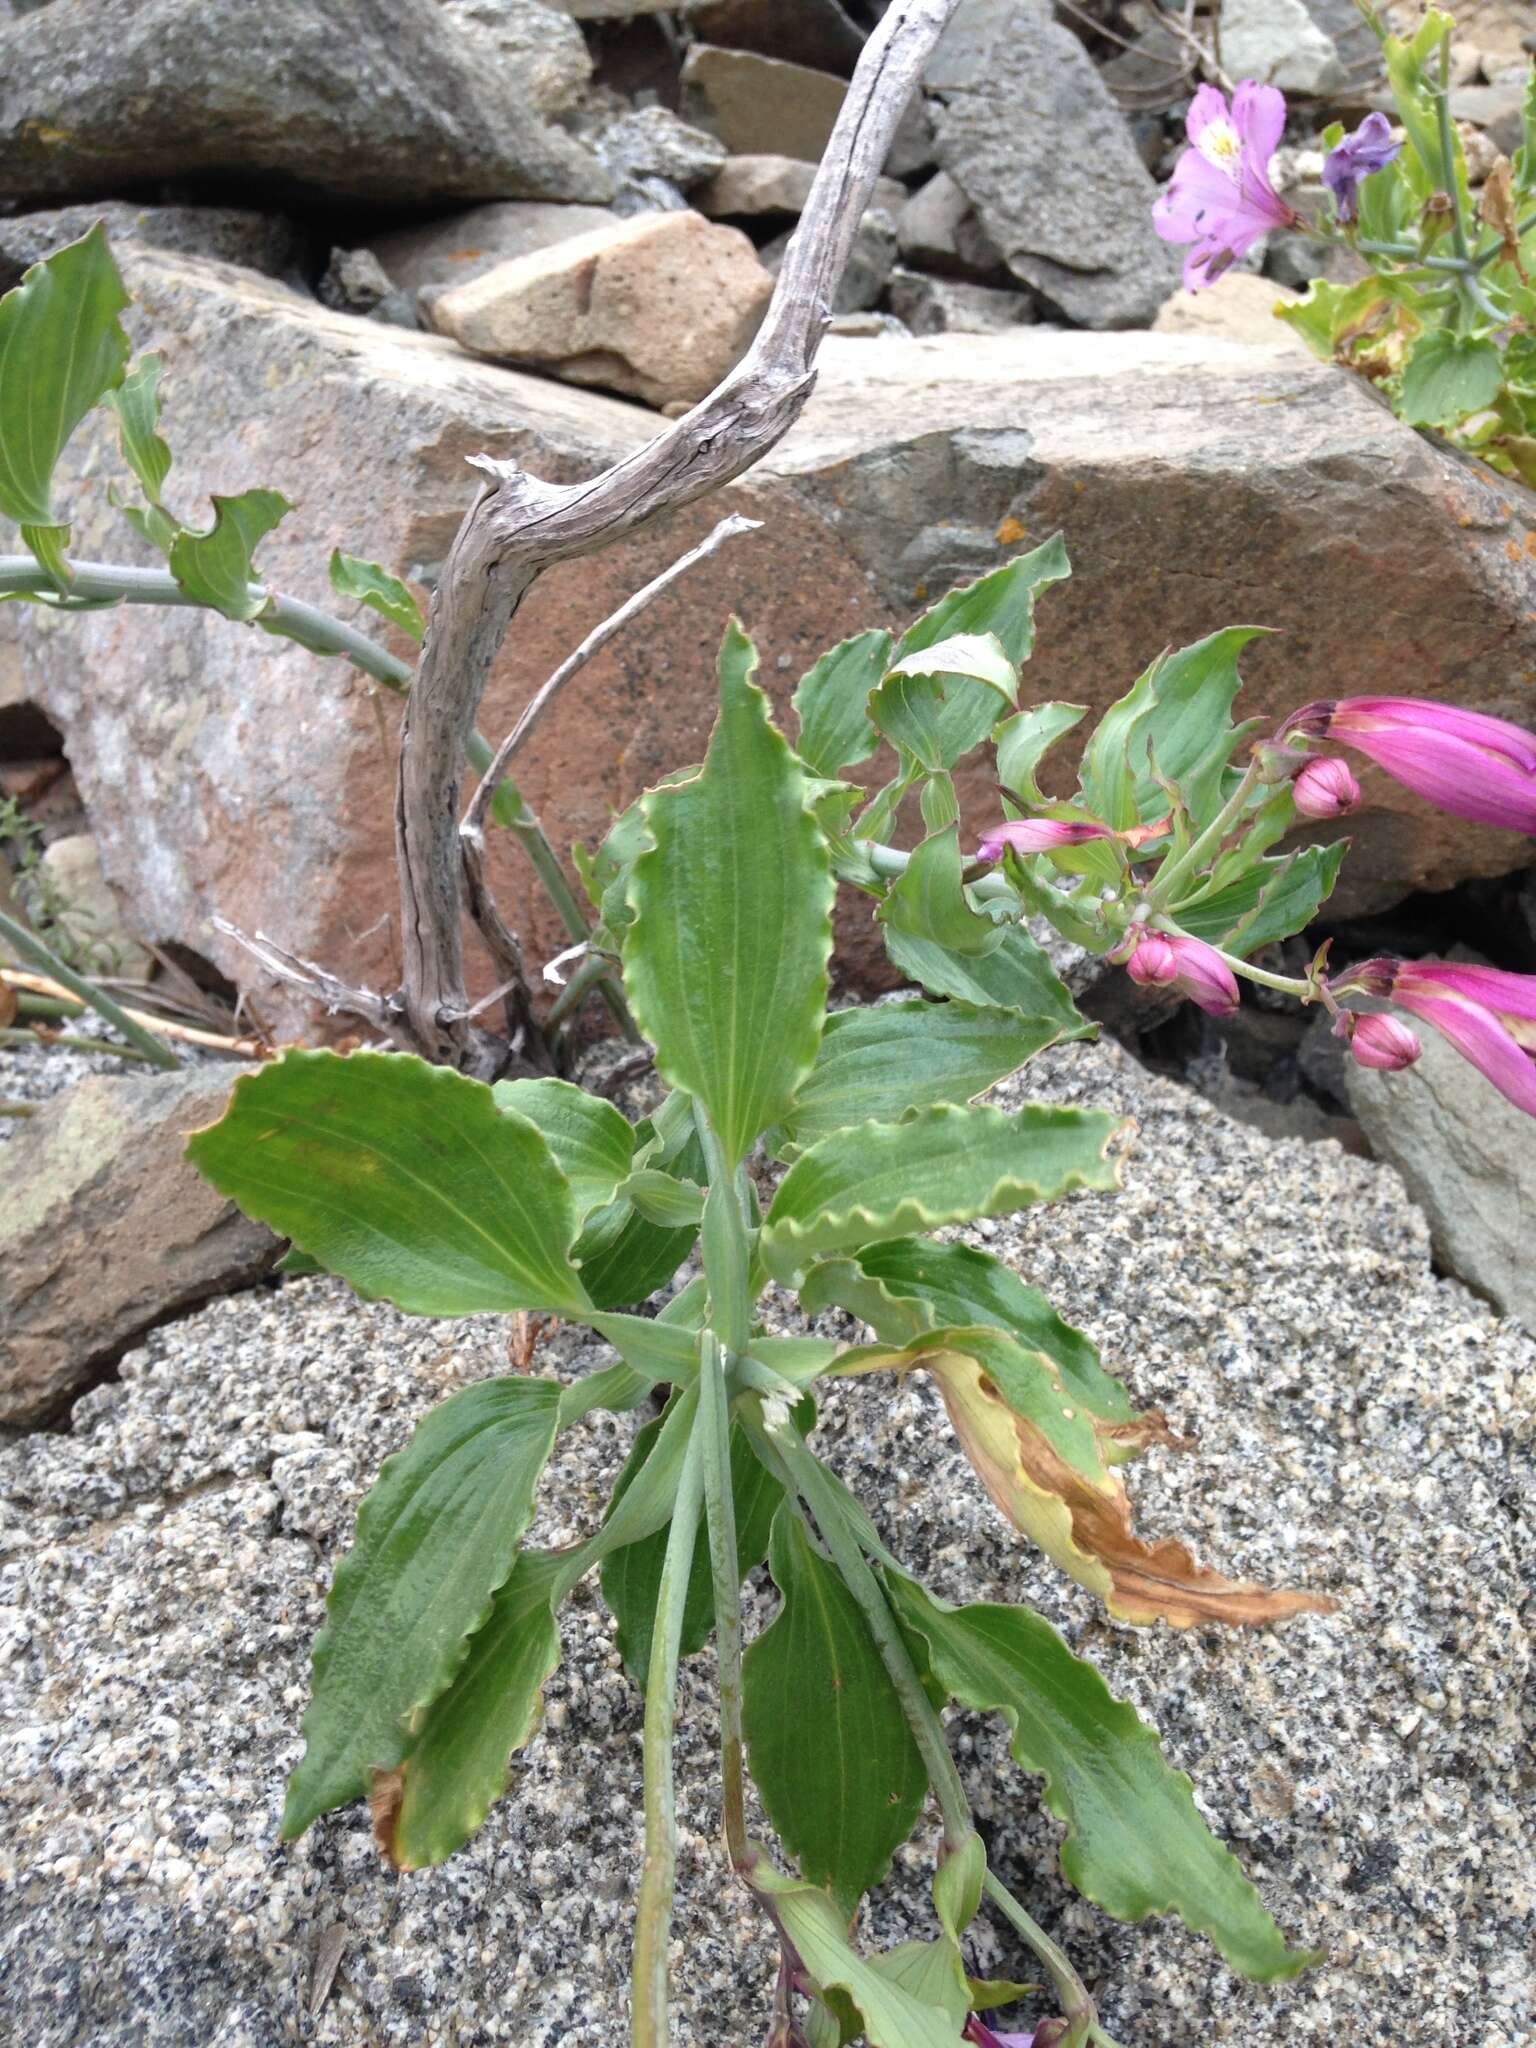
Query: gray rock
[(545, 49), (1278, 43), (654, 143), (748, 187), (1467, 1159), (937, 305), (758, 104), (870, 262), (1029, 132), (817, 33), (87, 916), (355, 281), (938, 228), (259, 241), (1362, 1432), (106, 1230), (368, 99), (428, 259), (1497, 109)]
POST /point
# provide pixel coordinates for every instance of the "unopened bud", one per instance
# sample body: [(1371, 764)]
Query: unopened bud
[(1383, 1042), (1153, 964), (1326, 789)]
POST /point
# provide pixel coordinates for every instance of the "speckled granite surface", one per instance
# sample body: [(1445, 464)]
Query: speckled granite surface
[(1363, 1428)]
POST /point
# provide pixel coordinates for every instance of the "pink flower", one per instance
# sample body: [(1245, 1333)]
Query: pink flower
[(1463, 761), (1039, 835), (1189, 966), (1326, 789), (1220, 197), (1381, 1042), (1044, 2036), (1487, 1014)]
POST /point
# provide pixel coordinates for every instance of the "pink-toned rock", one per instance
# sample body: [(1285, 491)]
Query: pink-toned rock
[(659, 307)]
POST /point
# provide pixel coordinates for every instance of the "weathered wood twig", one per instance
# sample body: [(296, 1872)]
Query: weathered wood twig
[(521, 525), (334, 996), (167, 1027)]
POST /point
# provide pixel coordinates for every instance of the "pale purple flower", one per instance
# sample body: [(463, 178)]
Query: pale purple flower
[(1382, 1042), (1370, 148), (1044, 2036), (1463, 761), (1220, 197), (1188, 966), (1487, 1014), (1326, 789)]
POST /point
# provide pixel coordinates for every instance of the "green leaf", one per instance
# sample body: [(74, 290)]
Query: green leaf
[(592, 1142), (631, 1576), (62, 348), (944, 1165), (877, 1064), (659, 1198), (457, 1766), (1015, 975), (436, 1538), (1135, 1843), (831, 702), (1002, 603), (665, 1352), (1189, 735), (928, 900), (404, 1178), (1108, 779), (1273, 900), (1024, 741), (861, 1995), (216, 568), (623, 1257), (372, 584), (906, 1286), (136, 401), (726, 959), (845, 1801), (941, 701), (1448, 376)]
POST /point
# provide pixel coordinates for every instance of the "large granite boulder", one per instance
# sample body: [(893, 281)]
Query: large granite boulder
[(1363, 1431), (378, 100), (1197, 482)]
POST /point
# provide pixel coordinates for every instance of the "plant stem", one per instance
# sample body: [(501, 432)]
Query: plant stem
[(1448, 151), (74, 1044), (810, 1483), (720, 1506), (648, 2027), (1171, 877), (724, 1243), (1076, 2004), (32, 948)]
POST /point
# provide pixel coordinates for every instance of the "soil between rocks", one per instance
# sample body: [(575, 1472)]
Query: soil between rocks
[(1364, 1430)]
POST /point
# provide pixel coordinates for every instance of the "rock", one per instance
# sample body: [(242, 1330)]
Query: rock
[(746, 187), (1198, 482), (938, 228), (1278, 43), (654, 143), (106, 1231), (659, 307), (870, 261), (83, 912), (1157, 62), (378, 100), (1498, 110), (1240, 308), (1466, 1158), (541, 45), (817, 33), (259, 241), (1361, 1432), (937, 305), (355, 281), (1029, 132), (466, 245), (758, 105)]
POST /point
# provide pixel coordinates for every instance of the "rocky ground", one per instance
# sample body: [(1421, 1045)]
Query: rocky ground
[(1364, 1429)]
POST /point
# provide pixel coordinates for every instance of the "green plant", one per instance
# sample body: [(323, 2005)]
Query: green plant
[(446, 1196)]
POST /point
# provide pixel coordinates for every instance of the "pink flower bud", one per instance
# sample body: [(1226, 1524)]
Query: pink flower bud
[(1383, 1042), (1195, 969), (1463, 761), (1039, 835), (1326, 789), (1487, 1013)]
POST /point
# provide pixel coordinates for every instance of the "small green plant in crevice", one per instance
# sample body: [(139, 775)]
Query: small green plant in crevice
[(447, 1196)]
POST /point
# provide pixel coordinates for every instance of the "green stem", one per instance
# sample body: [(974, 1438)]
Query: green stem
[(648, 2026), (1492, 255), (724, 1243), (1076, 2004), (30, 947), (29, 1005), (592, 970), (1171, 877), (810, 1483), (1458, 266), (720, 1508), (1448, 152), (74, 1044)]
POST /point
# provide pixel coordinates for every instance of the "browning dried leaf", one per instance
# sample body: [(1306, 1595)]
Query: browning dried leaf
[(10, 1005), (385, 1797), (1498, 209)]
